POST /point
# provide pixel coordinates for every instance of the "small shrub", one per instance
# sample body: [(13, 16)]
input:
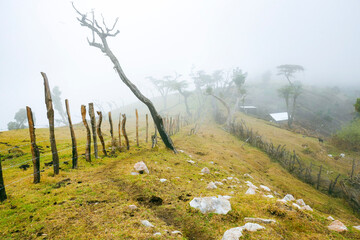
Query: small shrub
[(348, 137)]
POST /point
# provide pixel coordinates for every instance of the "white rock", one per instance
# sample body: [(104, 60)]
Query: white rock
[(225, 196), (250, 191), (337, 226), (140, 167), (157, 234), (307, 208), (191, 161), (269, 196), (163, 180), (229, 178), (289, 197), (250, 184), (357, 227), (330, 155), (233, 234), (135, 173), (177, 177), (342, 155), (211, 162), (211, 186), (259, 220), (265, 188), (218, 183), (219, 205), (190, 156), (248, 175), (297, 206), (132, 207), (300, 202), (281, 201), (205, 170), (146, 223), (330, 218), (252, 227), (217, 173), (181, 150), (176, 232)]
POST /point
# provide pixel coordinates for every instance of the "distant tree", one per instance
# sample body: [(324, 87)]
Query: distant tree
[(238, 79), (56, 97), (163, 86), (181, 87), (357, 105), (290, 92), (20, 120), (289, 70), (209, 91)]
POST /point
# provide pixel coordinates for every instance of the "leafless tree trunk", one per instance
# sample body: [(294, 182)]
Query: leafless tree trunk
[(88, 134), (137, 127), (34, 149), (103, 33), (99, 132), (147, 128), (124, 132), (50, 116), (73, 138), (3, 196), (229, 114), (93, 128), (112, 134)]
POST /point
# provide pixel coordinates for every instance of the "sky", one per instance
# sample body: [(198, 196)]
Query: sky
[(161, 37)]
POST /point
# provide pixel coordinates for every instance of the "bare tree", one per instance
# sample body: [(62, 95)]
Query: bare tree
[(103, 32), (163, 86), (181, 86), (288, 70)]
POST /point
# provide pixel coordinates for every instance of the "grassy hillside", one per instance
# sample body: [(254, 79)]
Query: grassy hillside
[(92, 202)]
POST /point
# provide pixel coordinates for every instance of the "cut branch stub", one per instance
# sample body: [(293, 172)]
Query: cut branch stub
[(50, 116), (124, 132), (98, 128), (73, 138), (88, 134), (93, 128), (34, 149)]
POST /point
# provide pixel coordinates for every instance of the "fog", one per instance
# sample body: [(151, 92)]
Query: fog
[(160, 37)]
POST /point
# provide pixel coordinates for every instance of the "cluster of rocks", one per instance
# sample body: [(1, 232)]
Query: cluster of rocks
[(236, 233)]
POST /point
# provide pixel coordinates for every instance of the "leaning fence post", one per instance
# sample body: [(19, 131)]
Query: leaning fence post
[(34, 149), (147, 127), (2, 186), (73, 138), (124, 132), (318, 180), (88, 134), (50, 116), (93, 128), (137, 127), (100, 134), (112, 134)]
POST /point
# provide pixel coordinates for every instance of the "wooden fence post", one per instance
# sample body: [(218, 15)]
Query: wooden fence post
[(50, 116), (88, 134), (147, 127), (93, 128), (3, 196), (318, 180), (112, 134), (352, 169), (119, 129), (137, 127), (73, 138), (98, 128), (124, 132), (154, 138), (34, 149)]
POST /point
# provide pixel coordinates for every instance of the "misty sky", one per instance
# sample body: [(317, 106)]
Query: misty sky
[(159, 37)]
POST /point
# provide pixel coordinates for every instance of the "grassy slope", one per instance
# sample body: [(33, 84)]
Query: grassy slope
[(93, 203)]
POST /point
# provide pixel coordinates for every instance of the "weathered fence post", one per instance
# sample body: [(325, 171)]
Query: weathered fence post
[(73, 138), (352, 169), (88, 134), (137, 127), (119, 129), (147, 127), (319, 176), (154, 138), (2, 186), (124, 132), (98, 128), (93, 128), (34, 149), (112, 134), (332, 185), (50, 116)]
